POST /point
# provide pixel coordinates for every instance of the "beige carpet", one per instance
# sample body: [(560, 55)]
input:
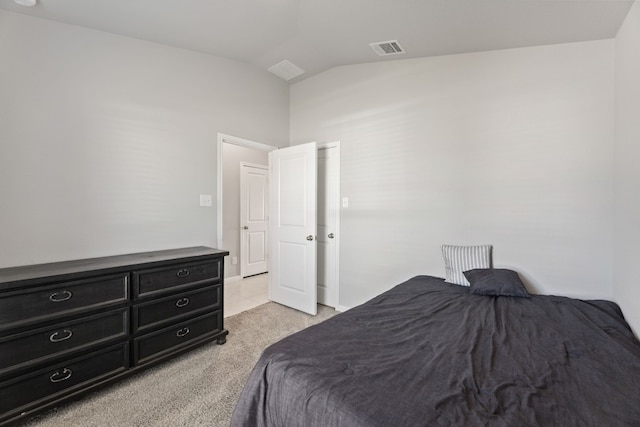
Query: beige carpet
[(197, 389)]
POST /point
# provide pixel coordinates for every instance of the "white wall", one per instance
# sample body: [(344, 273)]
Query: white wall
[(510, 148), (627, 170), (232, 156), (106, 142)]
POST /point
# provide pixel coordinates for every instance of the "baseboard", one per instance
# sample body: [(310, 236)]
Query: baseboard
[(343, 308)]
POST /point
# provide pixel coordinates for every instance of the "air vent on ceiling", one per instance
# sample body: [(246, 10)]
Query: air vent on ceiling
[(286, 70), (391, 47)]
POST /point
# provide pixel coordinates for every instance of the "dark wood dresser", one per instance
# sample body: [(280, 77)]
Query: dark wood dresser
[(69, 327)]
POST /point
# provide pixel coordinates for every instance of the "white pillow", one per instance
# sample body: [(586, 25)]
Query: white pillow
[(458, 259)]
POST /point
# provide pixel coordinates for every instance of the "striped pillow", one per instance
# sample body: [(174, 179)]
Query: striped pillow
[(458, 259)]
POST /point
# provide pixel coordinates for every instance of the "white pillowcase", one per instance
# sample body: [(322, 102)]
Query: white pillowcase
[(458, 259)]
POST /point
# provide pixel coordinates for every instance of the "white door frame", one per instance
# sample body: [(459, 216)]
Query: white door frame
[(336, 290), (244, 249), (230, 139)]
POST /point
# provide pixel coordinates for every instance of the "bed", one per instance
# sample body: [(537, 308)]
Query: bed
[(430, 353)]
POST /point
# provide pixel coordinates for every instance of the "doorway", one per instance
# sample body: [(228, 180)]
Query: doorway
[(232, 153), (328, 221), (325, 264)]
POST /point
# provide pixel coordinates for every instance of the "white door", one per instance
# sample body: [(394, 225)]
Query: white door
[(292, 226), (253, 219), (328, 221)]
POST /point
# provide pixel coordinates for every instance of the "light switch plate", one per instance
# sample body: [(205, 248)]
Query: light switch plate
[(206, 200), (345, 202)]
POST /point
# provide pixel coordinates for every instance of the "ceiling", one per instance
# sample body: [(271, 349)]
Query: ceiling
[(319, 34)]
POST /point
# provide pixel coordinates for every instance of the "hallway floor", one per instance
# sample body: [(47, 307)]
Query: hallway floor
[(245, 294)]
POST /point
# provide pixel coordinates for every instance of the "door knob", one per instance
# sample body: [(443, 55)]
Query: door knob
[(246, 227), (309, 237), (331, 236)]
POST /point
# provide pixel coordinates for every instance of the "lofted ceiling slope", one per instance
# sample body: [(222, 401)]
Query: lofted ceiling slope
[(319, 34)]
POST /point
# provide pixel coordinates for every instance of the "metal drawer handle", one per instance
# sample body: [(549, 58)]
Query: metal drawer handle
[(183, 272), (182, 302), (60, 296), (182, 332), (58, 376), (55, 337)]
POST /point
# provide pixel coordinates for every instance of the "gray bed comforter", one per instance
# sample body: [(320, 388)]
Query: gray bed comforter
[(427, 353)]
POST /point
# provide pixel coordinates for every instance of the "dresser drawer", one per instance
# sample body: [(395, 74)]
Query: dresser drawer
[(164, 342), (170, 309), (179, 276), (31, 305), (52, 383), (36, 346)]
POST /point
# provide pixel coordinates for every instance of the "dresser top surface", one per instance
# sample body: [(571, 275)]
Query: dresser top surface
[(11, 276)]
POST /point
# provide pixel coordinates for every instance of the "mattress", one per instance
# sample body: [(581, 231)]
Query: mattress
[(429, 353)]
